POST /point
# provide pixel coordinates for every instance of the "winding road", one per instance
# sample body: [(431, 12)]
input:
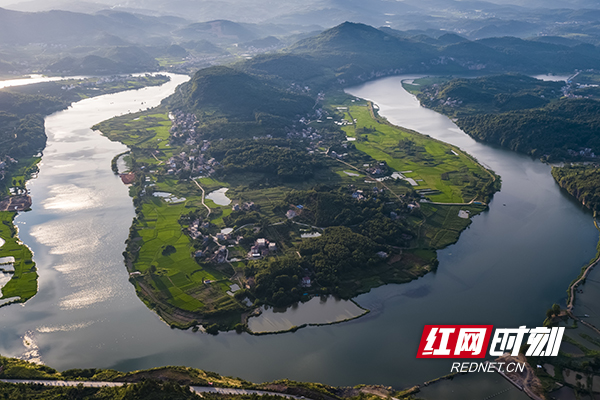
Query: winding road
[(203, 194)]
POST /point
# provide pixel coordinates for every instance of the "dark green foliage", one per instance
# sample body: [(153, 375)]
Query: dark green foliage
[(490, 94), (583, 182), (277, 280), (22, 137), (266, 156), (370, 217), (21, 104), (522, 113), (220, 94), (241, 218), (146, 390), (568, 124), (168, 250), (338, 252), (21, 123)]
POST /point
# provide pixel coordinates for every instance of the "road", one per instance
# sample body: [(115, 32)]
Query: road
[(196, 389), (203, 193)]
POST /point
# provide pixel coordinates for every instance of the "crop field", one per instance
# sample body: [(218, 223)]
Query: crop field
[(433, 164), (24, 281), (175, 273)]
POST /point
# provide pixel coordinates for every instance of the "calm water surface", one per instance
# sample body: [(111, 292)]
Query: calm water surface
[(511, 264)]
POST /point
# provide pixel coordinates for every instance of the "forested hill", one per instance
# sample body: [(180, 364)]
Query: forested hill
[(522, 113), (234, 104), (351, 53), (582, 182), (22, 123)]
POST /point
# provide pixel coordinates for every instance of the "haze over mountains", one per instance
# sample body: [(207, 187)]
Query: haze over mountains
[(106, 36)]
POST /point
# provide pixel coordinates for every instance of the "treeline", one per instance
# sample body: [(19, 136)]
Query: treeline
[(582, 182), (356, 231), (328, 260), (557, 131), (370, 216), (273, 157), (521, 113), (22, 131), (146, 390), (490, 94)]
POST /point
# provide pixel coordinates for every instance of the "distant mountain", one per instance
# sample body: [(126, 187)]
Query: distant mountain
[(48, 5), (202, 46), (64, 27), (352, 53), (114, 61), (220, 29)]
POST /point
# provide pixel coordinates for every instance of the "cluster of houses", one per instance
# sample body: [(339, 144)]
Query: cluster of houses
[(376, 169), (247, 206), (294, 211), (586, 152), (184, 126), (262, 247), (196, 163), (304, 133)]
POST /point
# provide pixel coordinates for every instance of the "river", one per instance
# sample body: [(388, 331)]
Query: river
[(512, 263)]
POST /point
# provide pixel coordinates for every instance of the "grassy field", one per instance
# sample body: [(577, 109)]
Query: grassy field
[(18, 174), (433, 164), (24, 281), (175, 277)]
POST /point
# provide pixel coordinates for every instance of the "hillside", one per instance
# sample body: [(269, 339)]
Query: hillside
[(351, 53), (582, 182), (220, 94), (522, 113), (116, 60), (63, 27)]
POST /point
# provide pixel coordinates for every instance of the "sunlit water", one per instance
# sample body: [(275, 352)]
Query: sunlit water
[(507, 268), (219, 197)]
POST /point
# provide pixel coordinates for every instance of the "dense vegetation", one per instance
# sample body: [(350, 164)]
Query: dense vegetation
[(279, 158), (147, 390), (230, 103), (582, 182), (559, 130), (521, 113), (351, 53)]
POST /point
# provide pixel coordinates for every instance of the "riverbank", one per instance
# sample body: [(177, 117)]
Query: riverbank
[(23, 283)]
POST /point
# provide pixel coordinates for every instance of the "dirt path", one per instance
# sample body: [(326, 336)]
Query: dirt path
[(203, 194)]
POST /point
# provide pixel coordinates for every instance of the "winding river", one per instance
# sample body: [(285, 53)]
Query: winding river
[(512, 263)]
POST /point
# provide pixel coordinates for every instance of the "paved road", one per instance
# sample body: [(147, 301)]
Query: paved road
[(196, 389)]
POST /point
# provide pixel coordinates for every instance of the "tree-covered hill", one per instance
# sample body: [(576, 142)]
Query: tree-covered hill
[(522, 113), (218, 95), (351, 53), (582, 182)]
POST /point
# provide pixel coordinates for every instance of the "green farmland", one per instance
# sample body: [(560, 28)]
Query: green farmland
[(432, 164), (23, 284)]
